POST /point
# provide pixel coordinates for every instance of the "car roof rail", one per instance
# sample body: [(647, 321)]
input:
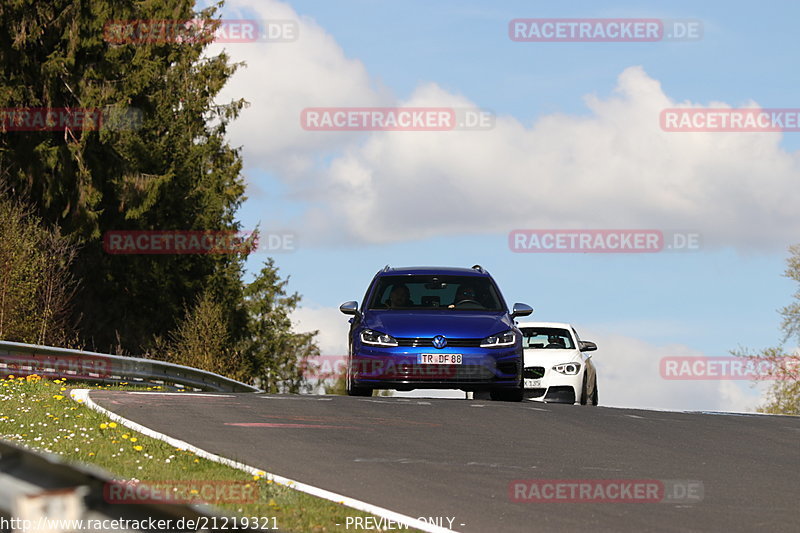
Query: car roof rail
[(479, 269), (387, 268)]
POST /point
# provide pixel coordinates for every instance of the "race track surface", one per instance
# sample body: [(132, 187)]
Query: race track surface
[(457, 458)]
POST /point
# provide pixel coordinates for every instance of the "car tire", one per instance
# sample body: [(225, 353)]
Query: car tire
[(358, 391), (513, 395), (594, 393), (508, 395), (584, 391), (351, 389)]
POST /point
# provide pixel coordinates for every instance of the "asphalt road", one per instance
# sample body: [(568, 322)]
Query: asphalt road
[(457, 458)]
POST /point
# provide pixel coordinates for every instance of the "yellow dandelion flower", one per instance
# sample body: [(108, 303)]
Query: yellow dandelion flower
[(103, 425), (137, 448), (134, 439), (91, 454), (112, 424), (125, 436), (58, 397)]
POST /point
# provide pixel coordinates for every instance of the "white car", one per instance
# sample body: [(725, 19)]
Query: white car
[(558, 367)]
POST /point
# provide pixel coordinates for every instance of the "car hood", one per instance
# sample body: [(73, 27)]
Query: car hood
[(548, 357), (452, 324)]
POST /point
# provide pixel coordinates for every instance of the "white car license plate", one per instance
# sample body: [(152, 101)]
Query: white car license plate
[(440, 358), (533, 383)]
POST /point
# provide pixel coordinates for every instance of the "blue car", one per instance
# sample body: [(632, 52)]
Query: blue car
[(435, 328)]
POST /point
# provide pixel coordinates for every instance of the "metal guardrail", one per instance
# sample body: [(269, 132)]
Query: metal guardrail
[(47, 361), (35, 485)]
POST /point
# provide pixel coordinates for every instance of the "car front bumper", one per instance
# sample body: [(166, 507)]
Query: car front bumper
[(553, 386), (480, 369)]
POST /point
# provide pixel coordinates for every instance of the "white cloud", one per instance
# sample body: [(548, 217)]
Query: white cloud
[(629, 376), (282, 78), (332, 326), (610, 168)]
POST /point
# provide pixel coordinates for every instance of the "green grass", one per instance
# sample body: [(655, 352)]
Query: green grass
[(41, 415)]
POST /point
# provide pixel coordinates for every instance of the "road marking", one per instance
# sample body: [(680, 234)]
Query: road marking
[(407, 461), (83, 396), (185, 394), (283, 425), (301, 399)]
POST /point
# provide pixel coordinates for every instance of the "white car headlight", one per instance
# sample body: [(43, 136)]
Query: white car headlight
[(569, 369), (376, 338), (507, 338)]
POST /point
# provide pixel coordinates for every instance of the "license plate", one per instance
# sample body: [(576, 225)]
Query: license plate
[(533, 383), (440, 358)]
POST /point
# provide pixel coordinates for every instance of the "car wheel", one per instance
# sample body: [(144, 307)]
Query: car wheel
[(513, 395), (584, 391), (594, 393), (508, 395), (352, 390), (359, 391)]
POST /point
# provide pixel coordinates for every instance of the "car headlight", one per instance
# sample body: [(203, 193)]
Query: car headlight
[(375, 338), (507, 338), (569, 369)]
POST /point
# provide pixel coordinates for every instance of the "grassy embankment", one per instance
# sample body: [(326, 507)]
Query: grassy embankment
[(40, 414)]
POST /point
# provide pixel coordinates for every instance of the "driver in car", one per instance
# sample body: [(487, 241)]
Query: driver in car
[(465, 293), (400, 297)]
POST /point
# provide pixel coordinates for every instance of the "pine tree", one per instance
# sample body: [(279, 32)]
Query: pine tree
[(169, 168)]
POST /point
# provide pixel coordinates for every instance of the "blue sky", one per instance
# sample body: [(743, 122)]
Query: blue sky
[(556, 97)]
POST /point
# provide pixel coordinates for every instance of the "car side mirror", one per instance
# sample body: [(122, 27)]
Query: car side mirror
[(521, 310), (588, 346), (349, 308)]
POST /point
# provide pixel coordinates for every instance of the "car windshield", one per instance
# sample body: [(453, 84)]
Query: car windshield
[(436, 292), (544, 338)]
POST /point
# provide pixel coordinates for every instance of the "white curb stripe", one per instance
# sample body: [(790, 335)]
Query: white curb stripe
[(82, 396)]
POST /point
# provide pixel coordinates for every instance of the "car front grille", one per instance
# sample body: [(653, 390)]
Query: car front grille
[(426, 342), (533, 372)]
